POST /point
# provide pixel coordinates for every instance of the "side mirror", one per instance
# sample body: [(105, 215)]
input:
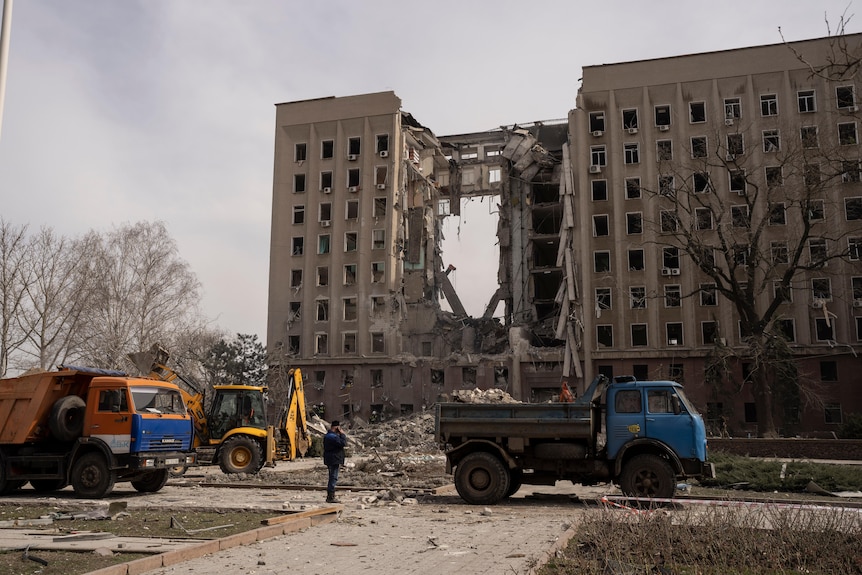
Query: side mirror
[(677, 408)]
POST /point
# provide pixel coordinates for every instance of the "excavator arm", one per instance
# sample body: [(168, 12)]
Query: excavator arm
[(292, 422)]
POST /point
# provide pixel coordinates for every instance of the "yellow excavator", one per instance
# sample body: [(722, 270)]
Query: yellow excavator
[(234, 432)]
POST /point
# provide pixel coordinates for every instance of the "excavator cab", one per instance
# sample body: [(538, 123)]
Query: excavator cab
[(234, 407)]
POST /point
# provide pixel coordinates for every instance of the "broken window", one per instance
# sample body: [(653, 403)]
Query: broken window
[(323, 244), (326, 182), (708, 295), (732, 108), (323, 310), (378, 239), (806, 102), (669, 221), (377, 381), (631, 152), (598, 156), (298, 183), (817, 252), (297, 244), (779, 253), (353, 179), (672, 296), (380, 174), (406, 409), (771, 141), (739, 216), (350, 274), (349, 308), (739, 254), (633, 188), (630, 119), (708, 331), (605, 335), (603, 298), (774, 177), (735, 145), (662, 115), (697, 112), (670, 257), (382, 144), (323, 276), (781, 292), (816, 210), (378, 304), (377, 272), (853, 208), (468, 376), (438, 376), (674, 335), (378, 342), (325, 212), (350, 241), (492, 151), (354, 146), (602, 262), (600, 190), (637, 297), (298, 214), (379, 207), (639, 336), (768, 105), (701, 183), (823, 329), (299, 152), (811, 175), (703, 218), (664, 150), (321, 344), (854, 251), (777, 214), (327, 149), (809, 137), (600, 225), (847, 134), (850, 171), (634, 223), (348, 343), (295, 278), (699, 147), (737, 181), (293, 343), (845, 96), (352, 209), (294, 314), (597, 122), (636, 260), (666, 185)]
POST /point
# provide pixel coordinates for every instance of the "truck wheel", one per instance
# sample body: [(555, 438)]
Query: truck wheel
[(46, 485), (648, 476), (481, 479), (91, 477), (240, 454), (152, 481), (177, 470), (66, 421), (515, 480)]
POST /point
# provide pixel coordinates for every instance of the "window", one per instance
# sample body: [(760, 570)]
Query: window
[(297, 244), (669, 221), (600, 190), (845, 96), (325, 181), (296, 278), (768, 105), (786, 328), (603, 298), (777, 214), (821, 289), (354, 146), (697, 112), (735, 145), (295, 308), (631, 153), (856, 288), (348, 345), (381, 173), (847, 134), (809, 137), (854, 248), (701, 183), (630, 119), (672, 296), (352, 209), (817, 252), (377, 269), (495, 175), (600, 225), (378, 304), (703, 218), (378, 343), (353, 179), (670, 257), (639, 335), (322, 276), (708, 331), (662, 115), (674, 333), (771, 141), (737, 181), (598, 156), (298, 214), (850, 171), (378, 239), (816, 210), (634, 223), (605, 335), (832, 413), (739, 254), (708, 295), (666, 185), (325, 212), (327, 149), (779, 253), (704, 256), (298, 183), (637, 297), (628, 401), (349, 308), (597, 121), (805, 101), (469, 154), (321, 344), (636, 260), (602, 262), (732, 109), (664, 150), (823, 329), (350, 241), (299, 152), (382, 143), (774, 176), (859, 328), (739, 216), (323, 310), (633, 188), (293, 344), (750, 412), (782, 292), (699, 147), (323, 244), (350, 274), (379, 207)]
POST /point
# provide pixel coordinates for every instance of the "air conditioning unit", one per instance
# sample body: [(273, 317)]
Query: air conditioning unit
[(326, 190), (857, 303), (353, 189), (381, 186), (674, 271), (384, 153), (730, 157), (853, 108), (817, 304), (665, 271), (664, 128), (597, 133), (740, 192), (728, 121), (326, 223), (351, 157), (632, 130), (595, 169)]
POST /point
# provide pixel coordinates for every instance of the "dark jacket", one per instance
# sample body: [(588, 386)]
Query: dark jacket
[(333, 448)]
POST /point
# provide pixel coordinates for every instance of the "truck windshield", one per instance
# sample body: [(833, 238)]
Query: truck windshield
[(686, 403), (158, 400)]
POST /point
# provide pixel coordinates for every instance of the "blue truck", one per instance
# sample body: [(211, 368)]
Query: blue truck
[(642, 435)]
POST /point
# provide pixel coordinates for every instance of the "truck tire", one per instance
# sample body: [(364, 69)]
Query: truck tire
[(47, 485), (516, 477), (66, 421), (481, 479), (240, 454), (648, 476), (91, 476), (151, 481)]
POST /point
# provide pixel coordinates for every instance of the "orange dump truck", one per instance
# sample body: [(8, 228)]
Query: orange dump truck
[(90, 428)]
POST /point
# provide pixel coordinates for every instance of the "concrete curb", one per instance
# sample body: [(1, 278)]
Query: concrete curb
[(283, 526)]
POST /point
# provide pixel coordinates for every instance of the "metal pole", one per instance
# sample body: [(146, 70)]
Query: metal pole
[(5, 30)]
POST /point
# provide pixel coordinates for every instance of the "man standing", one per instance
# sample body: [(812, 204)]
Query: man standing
[(333, 456)]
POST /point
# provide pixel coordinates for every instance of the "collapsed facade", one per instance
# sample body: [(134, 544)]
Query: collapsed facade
[(361, 188)]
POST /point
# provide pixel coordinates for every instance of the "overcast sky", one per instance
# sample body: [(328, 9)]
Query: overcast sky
[(119, 111)]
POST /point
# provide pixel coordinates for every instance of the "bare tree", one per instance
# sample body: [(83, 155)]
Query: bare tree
[(14, 279)]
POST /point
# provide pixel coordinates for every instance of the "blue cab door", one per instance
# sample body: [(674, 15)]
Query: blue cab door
[(625, 417), (677, 430)]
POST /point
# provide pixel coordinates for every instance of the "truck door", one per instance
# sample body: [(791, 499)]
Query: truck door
[(664, 423), (625, 418), (111, 420)]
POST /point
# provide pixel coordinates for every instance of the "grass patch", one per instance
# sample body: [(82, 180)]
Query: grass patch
[(766, 475)]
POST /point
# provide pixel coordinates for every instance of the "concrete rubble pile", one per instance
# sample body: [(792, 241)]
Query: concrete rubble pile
[(482, 396)]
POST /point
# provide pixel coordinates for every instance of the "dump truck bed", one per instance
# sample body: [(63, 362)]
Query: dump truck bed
[(460, 421)]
